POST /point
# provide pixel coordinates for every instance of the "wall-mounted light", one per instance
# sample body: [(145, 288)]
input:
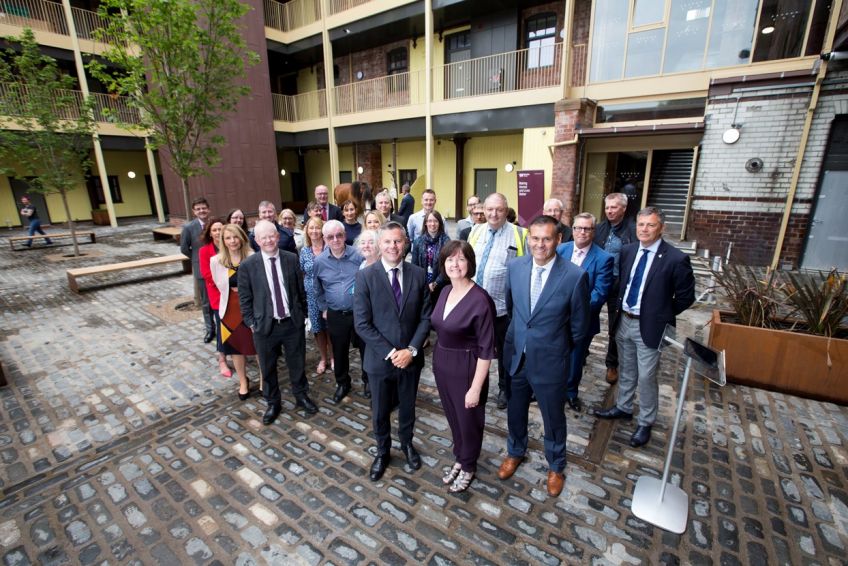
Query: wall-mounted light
[(360, 170), (347, 30), (131, 174), (282, 172), (767, 30), (509, 167)]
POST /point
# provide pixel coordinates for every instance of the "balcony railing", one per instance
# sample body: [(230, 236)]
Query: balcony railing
[(43, 15), (578, 64), (107, 108), (524, 69), (336, 6), (392, 91), (291, 15), (306, 106)]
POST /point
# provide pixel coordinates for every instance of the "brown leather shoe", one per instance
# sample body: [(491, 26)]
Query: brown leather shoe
[(508, 467), (612, 375), (555, 482)]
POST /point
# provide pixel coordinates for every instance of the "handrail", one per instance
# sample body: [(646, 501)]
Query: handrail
[(44, 15), (336, 6), (108, 108), (306, 106), (391, 91), (291, 15), (578, 64)]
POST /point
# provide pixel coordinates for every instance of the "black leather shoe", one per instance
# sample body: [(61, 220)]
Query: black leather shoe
[(641, 436), (378, 467), (209, 337), (341, 392), (306, 404), (366, 390), (412, 457), (501, 399), (613, 413), (271, 414), (575, 404)]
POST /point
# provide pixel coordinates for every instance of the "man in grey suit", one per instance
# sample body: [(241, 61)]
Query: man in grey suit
[(190, 245), (391, 310), (273, 303), (548, 303)]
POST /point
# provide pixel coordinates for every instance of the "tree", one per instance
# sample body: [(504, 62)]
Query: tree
[(182, 63), (47, 139)]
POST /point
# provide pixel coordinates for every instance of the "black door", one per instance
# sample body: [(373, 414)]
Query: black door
[(21, 188)]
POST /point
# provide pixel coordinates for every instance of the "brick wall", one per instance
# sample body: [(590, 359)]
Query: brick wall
[(372, 62), (569, 116), (369, 157)]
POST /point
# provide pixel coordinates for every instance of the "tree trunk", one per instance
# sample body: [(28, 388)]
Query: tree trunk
[(72, 227), (187, 203)]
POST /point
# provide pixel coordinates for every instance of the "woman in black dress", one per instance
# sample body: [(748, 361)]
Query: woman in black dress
[(464, 321)]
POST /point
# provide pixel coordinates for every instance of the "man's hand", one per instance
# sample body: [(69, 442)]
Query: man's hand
[(401, 358)]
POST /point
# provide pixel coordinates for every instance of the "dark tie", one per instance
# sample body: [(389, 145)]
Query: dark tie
[(324, 213), (396, 287), (278, 290), (636, 282)]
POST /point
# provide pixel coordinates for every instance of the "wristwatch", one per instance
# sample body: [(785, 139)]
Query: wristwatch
[(413, 349)]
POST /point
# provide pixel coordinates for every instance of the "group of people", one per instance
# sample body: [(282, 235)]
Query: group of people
[(528, 297)]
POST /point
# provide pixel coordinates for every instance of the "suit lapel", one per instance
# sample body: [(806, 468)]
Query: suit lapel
[(405, 286), (657, 264), (551, 285)]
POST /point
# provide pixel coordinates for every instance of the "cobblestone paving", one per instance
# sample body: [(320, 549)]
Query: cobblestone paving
[(120, 444)]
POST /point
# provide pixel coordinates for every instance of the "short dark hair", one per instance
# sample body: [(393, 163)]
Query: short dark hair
[(435, 214), (543, 220), (206, 234), (392, 225), (649, 210), (199, 200), (230, 217), (451, 248)]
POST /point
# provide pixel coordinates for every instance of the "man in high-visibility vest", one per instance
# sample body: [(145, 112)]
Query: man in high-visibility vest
[(495, 244)]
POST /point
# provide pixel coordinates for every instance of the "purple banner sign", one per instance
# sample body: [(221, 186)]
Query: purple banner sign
[(531, 195)]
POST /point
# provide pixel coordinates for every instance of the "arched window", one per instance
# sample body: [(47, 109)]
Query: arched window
[(539, 39)]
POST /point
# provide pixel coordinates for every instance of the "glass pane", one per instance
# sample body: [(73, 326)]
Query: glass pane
[(782, 27), (648, 12), (644, 50), (608, 35), (732, 32), (818, 27), (687, 35)]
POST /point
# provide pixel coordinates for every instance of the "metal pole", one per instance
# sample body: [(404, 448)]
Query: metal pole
[(681, 400)]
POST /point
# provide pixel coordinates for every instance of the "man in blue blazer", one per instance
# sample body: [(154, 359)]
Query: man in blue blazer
[(547, 299), (598, 266), (655, 287)]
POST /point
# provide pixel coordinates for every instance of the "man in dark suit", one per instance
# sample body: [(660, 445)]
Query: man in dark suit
[(273, 305), (655, 287), (478, 216), (383, 203), (548, 302), (329, 211), (598, 266), (391, 310), (190, 245), (285, 240), (553, 207), (407, 204)]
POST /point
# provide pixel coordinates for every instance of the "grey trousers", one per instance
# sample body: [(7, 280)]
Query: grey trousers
[(637, 368)]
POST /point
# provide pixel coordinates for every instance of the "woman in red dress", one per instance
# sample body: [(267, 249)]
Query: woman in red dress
[(211, 238)]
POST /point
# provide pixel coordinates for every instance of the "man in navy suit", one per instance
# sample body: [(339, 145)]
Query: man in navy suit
[(657, 284), (598, 266), (190, 245), (329, 211), (391, 312), (548, 302)]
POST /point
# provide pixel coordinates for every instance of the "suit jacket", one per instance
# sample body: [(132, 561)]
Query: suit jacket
[(286, 241), (204, 257), (257, 307), (379, 322), (547, 335), (190, 245), (333, 213), (669, 290), (598, 266), (406, 207)]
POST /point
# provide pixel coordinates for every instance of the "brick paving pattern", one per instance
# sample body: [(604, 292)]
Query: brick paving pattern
[(121, 444)]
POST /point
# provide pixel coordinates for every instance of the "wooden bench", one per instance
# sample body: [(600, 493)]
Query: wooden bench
[(167, 233), (147, 262), (92, 238)]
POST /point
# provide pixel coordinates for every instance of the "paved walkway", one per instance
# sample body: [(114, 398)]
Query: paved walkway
[(121, 444)]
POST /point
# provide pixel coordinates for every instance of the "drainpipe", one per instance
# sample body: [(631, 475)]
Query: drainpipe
[(835, 9)]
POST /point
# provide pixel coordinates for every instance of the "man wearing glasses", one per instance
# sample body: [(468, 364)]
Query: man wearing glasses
[(598, 265), (335, 274)]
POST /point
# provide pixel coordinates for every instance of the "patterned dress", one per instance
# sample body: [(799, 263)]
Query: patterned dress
[(307, 265), (236, 337)]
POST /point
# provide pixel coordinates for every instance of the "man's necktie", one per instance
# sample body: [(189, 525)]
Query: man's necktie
[(278, 290), (636, 282), (324, 213), (481, 269), (578, 257), (536, 288), (396, 287)]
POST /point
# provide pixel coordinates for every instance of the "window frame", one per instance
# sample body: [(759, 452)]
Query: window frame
[(542, 17)]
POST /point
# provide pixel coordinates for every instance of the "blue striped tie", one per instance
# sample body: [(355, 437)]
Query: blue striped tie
[(636, 282), (481, 269)]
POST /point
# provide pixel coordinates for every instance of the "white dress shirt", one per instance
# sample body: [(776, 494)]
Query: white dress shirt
[(652, 253), (266, 261)]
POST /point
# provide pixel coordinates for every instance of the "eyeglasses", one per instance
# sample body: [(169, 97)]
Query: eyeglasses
[(583, 228), (339, 236)]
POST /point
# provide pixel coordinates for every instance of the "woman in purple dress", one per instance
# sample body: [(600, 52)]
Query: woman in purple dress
[(464, 321)]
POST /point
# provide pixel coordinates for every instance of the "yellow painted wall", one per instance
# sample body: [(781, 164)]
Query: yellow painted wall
[(307, 80), (317, 163), (8, 208), (286, 159), (133, 191), (77, 201), (537, 155), (444, 176), (346, 160), (493, 152)]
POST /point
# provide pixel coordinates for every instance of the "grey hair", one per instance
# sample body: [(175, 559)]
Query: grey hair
[(620, 197), (331, 226), (588, 215), (553, 201), (265, 203), (649, 210)]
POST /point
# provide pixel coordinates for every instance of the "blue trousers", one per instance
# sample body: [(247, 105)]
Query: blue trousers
[(35, 226)]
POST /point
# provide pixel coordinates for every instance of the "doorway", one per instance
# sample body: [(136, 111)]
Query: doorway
[(614, 172), (485, 182), (457, 78), (20, 188)]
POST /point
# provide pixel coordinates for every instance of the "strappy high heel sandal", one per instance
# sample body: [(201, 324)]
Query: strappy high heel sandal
[(451, 475), (462, 482)]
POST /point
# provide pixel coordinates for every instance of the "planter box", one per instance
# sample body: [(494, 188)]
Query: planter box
[(100, 217), (783, 361)]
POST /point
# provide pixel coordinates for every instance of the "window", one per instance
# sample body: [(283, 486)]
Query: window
[(397, 61), (95, 190), (782, 27), (407, 176), (539, 39)]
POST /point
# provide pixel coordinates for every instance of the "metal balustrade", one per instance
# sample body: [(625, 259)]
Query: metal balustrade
[(291, 15), (300, 107), (107, 108), (43, 15), (336, 6), (578, 64), (392, 91), (524, 69)]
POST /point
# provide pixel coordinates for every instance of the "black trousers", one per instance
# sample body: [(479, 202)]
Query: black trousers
[(612, 305), (342, 335), (208, 318), (388, 387), (501, 326), (292, 339)]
